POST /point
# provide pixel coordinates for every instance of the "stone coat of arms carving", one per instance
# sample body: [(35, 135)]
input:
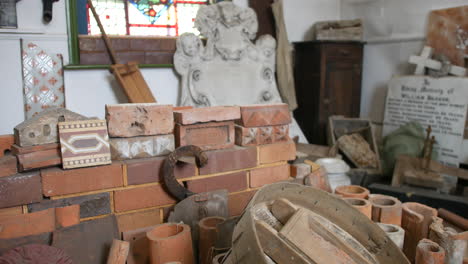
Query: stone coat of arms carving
[(229, 69)]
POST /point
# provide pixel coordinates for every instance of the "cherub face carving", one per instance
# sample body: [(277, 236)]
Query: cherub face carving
[(190, 44)]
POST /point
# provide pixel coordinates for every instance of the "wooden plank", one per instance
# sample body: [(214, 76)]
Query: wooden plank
[(283, 209), (275, 247), (118, 252)]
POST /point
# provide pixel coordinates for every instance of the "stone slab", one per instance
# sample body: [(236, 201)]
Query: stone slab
[(56, 181), (141, 147), (8, 165), (19, 189), (207, 136), (88, 242), (39, 159), (90, 205), (131, 120), (264, 115), (42, 128), (140, 171), (206, 114), (84, 143)]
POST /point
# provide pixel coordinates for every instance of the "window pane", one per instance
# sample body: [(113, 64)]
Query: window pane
[(112, 16), (186, 14)]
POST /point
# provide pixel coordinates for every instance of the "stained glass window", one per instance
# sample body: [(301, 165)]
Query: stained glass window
[(145, 17)]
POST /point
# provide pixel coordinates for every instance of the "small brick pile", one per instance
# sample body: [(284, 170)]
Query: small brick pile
[(141, 135)]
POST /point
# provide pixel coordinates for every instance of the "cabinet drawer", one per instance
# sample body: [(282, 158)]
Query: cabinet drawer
[(343, 51)]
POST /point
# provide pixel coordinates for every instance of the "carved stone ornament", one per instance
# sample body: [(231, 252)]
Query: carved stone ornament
[(230, 69)]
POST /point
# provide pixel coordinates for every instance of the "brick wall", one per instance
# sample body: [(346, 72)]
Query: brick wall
[(144, 50), (131, 189)]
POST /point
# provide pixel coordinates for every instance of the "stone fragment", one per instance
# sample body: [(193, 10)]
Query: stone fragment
[(19, 189), (386, 209), (27, 224), (237, 202), (141, 197), (39, 159), (140, 171), (37, 254), (395, 233), (139, 245), (84, 143), (42, 239), (231, 159), (88, 242), (264, 115), (56, 181), (6, 142), (318, 179), (67, 216), (206, 114), (276, 152), (90, 205), (232, 182), (141, 147), (147, 119), (8, 165), (429, 252), (42, 128), (300, 170), (358, 150), (267, 175), (352, 191), (137, 220), (416, 219), (207, 136)]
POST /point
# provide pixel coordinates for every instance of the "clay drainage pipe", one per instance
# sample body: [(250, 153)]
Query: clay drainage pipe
[(361, 205), (170, 243), (429, 251), (395, 233), (207, 238), (386, 209), (352, 191)]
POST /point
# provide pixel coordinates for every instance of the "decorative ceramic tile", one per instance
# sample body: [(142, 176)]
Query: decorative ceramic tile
[(42, 79), (84, 143)]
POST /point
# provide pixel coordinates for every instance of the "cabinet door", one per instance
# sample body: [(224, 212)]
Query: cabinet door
[(342, 88)]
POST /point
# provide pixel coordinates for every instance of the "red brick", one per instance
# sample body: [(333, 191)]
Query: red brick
[(138, 220), (17, 210), (140, 171), (67, 216), (16, 150), (300, 170), (207, 114), (130, 120), (6, 142), (264, 115), (8, 165), (57, 181), (27, 224), (39, 159), (142, 197), (262, 176), (276, 152), (153, 44), (236, 158), (208, 136), (237, 202), (232, 182), (159, 57), (19, 189)]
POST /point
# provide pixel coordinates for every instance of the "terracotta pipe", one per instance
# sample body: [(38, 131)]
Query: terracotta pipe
[(429, 252), (416, 219), (207, 238), (352, 191), (395, 233), (170, 243), (385, 209), (454, 219), (362, 205)]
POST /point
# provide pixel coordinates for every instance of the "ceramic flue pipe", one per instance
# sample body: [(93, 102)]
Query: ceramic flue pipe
[(429, 252), (395, 233), (362, 205), (170, 242), (352, 191), (416, 219), (207, 238), (385, 209)]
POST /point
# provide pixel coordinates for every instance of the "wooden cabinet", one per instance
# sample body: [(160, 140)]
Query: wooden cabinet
[(328, 82)]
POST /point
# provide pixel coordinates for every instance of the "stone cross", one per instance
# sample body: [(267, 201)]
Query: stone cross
[(424, 61)]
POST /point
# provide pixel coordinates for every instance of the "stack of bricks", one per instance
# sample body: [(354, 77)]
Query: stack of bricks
[(131, 187)]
